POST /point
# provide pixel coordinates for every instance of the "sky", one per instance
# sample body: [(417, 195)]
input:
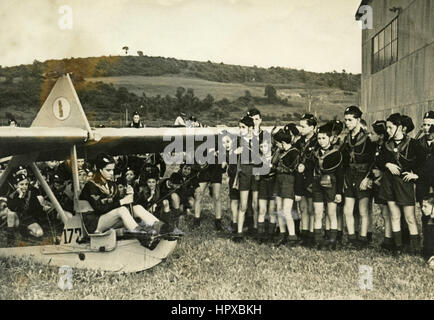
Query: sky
[(313, 35)]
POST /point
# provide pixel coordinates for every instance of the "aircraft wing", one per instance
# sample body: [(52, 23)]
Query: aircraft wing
[(55, 143), (16, 141), (147, 140)]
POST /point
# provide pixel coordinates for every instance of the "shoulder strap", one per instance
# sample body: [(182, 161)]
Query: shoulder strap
[(293, 164), (322, 157)]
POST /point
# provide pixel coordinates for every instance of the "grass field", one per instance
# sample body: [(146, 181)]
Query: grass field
[(207, 265)]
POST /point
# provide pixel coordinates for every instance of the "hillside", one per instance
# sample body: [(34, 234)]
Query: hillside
[(159, 66), (327, 101), (107, 86)]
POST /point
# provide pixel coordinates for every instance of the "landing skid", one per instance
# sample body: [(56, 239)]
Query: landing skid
[(129, 256)]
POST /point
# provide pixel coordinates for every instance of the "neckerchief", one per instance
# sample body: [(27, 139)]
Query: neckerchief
[(398, 151), (110, 192), (361, 138)]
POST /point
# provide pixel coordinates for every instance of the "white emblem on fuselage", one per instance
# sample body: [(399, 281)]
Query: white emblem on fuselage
[(61, 108)]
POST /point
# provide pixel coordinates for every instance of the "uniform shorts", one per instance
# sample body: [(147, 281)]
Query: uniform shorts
[(265, 188), (212, 174), (376, 194), (393, 188), (322, 194), (284, 186), (246, 180), (353, 178), (305, 184), (234, 194)]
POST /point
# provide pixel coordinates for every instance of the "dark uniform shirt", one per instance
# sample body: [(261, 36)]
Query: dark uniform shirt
[(136, 125), (330, 161), (286, 163), (407, 155), (102, 198), (426, 173), (142, 196), (28, 208), (359, 150), (307, 149), (428, 148)]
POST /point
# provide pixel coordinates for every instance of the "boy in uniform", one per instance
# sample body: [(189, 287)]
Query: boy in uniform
[(327, 185), (307, 145), (358, 152)]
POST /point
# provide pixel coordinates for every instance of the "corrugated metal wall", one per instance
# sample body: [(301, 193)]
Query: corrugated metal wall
[(406, 86)]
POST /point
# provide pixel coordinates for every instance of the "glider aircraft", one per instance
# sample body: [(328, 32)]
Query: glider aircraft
[(61, 131)]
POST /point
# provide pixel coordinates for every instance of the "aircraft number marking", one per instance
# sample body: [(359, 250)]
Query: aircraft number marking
[(68, 238)]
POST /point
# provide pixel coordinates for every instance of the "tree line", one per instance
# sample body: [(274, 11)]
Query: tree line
[(158, 66)]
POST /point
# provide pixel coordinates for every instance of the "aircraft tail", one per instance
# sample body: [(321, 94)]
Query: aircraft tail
[(62, 108)]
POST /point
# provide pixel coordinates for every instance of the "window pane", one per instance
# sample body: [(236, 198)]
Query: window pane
[(395, 51), (387, 35), (376, 44), (381, 60), (387, 55), (395, 29), (381, 40)]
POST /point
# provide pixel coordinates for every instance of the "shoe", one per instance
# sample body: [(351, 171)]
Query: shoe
[(260, 237), (280, 239), (320, 245), (149, 230), (306, 242), (331, 245), (353, 244), (218, 225), (339, 237), (238, 237), (362, 244), (414, 248), (252, 232), (398, 251), (177, 233), (387, 247), (196, 223), (292, 243), (157, 226), (369, 237)]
